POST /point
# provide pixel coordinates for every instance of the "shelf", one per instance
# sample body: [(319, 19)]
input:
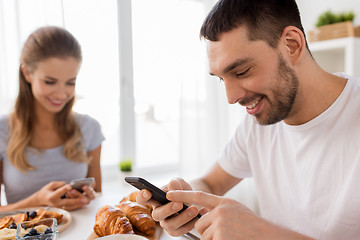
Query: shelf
[(338, 55)]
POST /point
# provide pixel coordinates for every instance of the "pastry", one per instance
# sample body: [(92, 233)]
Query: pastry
[(19, 218), (5, 222), (7, 234), (132, 197), (111, 220), (43, 213), (139, 216)]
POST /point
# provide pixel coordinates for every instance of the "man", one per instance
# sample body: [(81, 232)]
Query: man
[(300, 140)]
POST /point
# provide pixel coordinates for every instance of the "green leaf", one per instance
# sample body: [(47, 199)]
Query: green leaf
[(329, 17)]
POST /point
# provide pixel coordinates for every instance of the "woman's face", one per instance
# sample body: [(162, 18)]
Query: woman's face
[(53, 83)]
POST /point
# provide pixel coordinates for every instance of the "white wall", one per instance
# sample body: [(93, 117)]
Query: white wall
[(311, 9)]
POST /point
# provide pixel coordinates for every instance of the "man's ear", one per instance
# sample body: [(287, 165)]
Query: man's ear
[(26, 73), (294, 42)]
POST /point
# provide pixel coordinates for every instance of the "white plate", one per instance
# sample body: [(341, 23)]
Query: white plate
[(123, 237), (61, 227)]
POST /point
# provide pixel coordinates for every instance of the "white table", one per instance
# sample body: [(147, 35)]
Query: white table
[(83, 219)]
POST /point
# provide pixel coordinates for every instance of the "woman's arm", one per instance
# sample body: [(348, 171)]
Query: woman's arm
[(95, 168)]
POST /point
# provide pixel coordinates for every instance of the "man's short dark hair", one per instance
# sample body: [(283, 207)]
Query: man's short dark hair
[(263, 19)]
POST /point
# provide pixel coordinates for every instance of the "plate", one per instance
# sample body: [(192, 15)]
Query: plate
[(136, 236), (123, 237), (61, 227)]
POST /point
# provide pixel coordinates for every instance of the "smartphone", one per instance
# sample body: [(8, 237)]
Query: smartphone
[(79, 183), (157, 194)]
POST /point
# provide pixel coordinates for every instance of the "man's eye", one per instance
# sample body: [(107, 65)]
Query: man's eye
[(242, 73)]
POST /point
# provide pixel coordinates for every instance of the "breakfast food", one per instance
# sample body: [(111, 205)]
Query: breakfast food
[(43, 213), (139, 216), (133, 215), (7, 234), (131, 197), (8, 224), (5, 222), (43, 231), (111, 220)]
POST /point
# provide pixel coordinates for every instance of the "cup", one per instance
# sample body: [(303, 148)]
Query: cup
[(42, 229)]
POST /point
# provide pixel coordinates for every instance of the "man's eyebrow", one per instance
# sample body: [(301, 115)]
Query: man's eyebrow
[(233, 65)]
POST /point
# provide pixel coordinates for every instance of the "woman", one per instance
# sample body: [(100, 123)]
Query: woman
[(43, 143)]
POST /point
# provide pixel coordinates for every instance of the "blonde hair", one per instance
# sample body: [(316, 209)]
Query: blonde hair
[(42, 44)]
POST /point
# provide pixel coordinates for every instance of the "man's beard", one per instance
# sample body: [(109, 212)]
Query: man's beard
[(282, 96)]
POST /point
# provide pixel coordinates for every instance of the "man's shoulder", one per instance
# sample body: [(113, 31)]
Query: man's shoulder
[(352, 79)]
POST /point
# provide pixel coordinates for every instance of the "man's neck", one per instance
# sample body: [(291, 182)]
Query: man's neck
[(318, 90)]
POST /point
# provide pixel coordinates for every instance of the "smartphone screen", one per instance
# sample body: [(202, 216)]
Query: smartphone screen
[(157, 194), (79, 183)]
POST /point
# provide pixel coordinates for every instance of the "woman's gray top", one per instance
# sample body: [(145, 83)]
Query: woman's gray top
[(51, 164)]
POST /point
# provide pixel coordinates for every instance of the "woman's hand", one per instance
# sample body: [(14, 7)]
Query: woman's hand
[(88, 192), (52, 195)]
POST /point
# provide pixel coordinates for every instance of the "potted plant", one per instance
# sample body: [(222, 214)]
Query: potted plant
[(331, 25)]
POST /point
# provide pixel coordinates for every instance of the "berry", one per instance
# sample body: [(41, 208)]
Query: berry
[(12, 226), (33, 232), (48, 230), (32, 214)]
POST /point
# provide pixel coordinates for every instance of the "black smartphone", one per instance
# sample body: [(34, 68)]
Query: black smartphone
[(157, 194), (79, 183)]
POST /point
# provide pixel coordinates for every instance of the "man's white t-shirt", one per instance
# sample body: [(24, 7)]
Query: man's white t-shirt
[(307, 176)]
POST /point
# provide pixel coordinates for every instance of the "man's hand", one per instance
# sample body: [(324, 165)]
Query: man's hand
[(227, 219), (174, 223)]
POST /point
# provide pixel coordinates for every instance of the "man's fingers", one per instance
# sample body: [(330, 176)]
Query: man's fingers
[(162, 212), (199, 198), (176, 227), (144, 198), (178, 184)]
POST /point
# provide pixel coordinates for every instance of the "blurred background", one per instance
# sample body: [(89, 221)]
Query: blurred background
[(144, 77)]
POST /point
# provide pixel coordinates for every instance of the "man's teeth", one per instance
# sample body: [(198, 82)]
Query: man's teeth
[(253, 105)]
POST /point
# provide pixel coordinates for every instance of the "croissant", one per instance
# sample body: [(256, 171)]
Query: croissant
[(111, 220), (132, 197), (139, 216)]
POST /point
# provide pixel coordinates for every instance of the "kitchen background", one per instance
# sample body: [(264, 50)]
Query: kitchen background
[(144, 77)]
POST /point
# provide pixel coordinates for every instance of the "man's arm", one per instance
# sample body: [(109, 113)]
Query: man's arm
[(216, 181)]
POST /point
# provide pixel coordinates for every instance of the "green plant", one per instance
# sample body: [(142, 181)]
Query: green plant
[(329, 17), (125, 165)]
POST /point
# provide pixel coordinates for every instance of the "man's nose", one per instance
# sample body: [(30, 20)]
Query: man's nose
[(234, 91)]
